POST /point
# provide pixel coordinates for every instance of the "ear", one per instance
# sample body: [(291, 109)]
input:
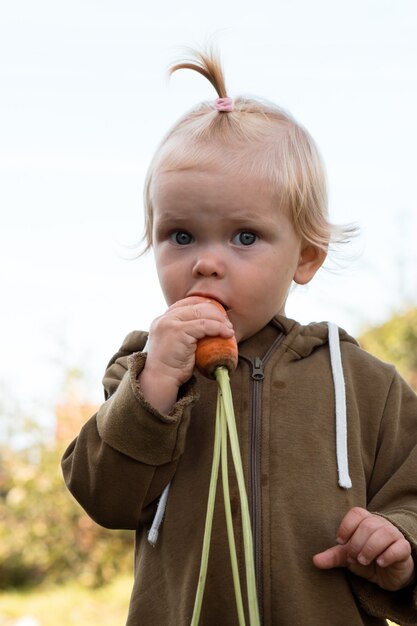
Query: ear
[(311, 259)]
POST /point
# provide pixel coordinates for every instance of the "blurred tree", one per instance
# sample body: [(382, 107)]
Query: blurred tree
[(395, 341), (44, 534)]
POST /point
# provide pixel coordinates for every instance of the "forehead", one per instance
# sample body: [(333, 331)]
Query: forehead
[(257, 159), (201, 198), (229, 176), (201, 192)]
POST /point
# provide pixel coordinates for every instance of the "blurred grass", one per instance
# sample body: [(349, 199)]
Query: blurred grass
[(67, 605)]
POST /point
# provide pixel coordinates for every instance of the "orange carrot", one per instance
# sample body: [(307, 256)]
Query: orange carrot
[(212, 352)]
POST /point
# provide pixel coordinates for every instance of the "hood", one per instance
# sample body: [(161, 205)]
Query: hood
[(303, 340)]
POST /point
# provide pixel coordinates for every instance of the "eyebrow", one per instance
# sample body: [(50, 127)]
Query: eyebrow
[(244, 218)]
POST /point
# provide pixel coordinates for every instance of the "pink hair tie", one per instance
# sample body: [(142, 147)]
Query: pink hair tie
[(224, 104)]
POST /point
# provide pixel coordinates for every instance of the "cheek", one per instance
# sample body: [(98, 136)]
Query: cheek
[(164, 277), (171, 282), (270, 289)]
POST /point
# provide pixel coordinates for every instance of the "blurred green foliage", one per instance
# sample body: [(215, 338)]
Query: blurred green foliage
[(395, 341), (44, 534)]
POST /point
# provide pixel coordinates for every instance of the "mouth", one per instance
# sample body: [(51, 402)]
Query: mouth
[(210, 297)]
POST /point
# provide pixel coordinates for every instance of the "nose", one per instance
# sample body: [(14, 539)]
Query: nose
[(209, 264)]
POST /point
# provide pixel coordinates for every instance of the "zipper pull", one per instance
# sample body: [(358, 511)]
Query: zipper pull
[(257, 369)]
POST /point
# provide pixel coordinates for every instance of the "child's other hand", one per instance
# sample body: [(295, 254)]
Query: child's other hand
[(371, 547), (171, 347)]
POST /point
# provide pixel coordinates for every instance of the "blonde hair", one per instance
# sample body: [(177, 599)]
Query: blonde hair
[(262, 139)]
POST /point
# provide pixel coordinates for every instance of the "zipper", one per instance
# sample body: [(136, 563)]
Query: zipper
[(257, 376), (255, 495)]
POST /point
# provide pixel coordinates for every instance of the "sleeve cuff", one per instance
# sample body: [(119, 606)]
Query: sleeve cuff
[(128, 423)]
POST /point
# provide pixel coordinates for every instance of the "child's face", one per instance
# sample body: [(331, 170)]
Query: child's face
[(222, 235)]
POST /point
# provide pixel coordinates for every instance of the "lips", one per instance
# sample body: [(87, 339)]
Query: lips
[(210, 297)]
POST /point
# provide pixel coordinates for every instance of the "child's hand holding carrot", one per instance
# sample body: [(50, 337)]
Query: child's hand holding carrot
[(172, 344)]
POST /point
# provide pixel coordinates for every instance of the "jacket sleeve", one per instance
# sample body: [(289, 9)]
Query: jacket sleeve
[(393, 494), (127, 452)]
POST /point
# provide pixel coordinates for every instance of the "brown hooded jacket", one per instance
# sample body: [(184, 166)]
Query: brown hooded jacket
[(284, 399)]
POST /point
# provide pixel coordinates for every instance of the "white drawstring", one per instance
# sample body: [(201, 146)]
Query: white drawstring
[(162, 504), (340, 401), (159, 516)]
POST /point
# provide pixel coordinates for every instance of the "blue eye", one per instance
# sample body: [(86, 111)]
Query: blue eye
[(181, 237), (245, 238)]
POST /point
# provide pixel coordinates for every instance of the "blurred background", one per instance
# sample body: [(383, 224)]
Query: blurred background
[(84, 102)]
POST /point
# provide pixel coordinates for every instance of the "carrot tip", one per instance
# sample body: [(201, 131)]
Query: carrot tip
[(213, 352)]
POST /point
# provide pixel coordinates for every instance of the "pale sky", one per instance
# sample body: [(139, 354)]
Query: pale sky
[(84, 101)]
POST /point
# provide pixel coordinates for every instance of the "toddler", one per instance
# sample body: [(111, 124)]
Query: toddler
[(235, 212)]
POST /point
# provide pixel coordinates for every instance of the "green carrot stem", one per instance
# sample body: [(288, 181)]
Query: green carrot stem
[(209, 520), (229, 521), (222, 377)]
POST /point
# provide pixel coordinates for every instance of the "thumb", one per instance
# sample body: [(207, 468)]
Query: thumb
[(333, 557)]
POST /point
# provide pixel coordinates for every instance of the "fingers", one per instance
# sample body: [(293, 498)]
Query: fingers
[(333, 557), (371, 547), (174, 335), (397, 552), (374, 550), (197, 317), (350, 523), (370, 537), (381, 542)]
